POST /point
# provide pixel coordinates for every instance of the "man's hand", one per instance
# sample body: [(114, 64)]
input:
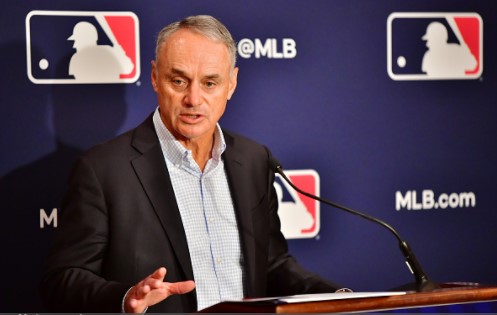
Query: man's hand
[(153, 290)]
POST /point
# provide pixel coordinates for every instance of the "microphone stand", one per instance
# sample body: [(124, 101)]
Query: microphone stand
[(423, 283)]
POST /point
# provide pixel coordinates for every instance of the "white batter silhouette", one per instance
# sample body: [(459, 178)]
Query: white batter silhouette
[(294, 216), (93, 63), (444, 60)]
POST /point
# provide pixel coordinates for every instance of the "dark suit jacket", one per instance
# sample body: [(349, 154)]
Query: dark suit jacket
[(120, 221)]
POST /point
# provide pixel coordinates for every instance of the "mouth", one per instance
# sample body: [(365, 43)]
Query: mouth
[(191, 118)]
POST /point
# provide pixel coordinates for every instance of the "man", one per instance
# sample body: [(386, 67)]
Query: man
[(177, 195)]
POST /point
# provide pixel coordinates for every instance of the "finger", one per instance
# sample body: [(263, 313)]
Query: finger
[(141, 291), (134, 306), (159, 274), (133, 303), (181, 287), (154, 283)]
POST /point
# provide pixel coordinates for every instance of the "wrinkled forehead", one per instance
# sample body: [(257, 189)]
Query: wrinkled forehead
[(191, 49), (188, 39)]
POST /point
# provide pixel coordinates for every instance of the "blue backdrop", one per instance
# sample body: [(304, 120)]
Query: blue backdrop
[(314, 86)]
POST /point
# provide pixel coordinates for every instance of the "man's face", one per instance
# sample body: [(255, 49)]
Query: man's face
[(193, 81)]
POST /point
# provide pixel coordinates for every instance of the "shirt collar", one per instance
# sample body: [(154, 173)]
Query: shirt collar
[(174, 151)]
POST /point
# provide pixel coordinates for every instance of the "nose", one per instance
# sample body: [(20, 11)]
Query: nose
[(194, 95)]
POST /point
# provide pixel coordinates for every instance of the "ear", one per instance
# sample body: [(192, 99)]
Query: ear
[(153, 75), (232, 83)]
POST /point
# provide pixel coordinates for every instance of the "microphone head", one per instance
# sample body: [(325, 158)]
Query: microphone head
[(274, 165)]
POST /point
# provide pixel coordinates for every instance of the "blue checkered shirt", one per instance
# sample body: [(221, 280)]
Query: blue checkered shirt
[(208, 217)]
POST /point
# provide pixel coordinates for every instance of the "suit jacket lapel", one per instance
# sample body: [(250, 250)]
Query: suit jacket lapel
[(236, 172), (151, 169)]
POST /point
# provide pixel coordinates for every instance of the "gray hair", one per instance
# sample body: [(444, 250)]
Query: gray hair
[(205, 25)]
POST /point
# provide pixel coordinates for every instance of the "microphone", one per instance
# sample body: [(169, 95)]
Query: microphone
[(423, 283)]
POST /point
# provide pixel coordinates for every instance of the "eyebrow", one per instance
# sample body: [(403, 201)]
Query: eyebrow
[(213, 76), (175, 71)]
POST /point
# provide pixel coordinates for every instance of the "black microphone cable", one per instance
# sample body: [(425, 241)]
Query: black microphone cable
[(423, 283)]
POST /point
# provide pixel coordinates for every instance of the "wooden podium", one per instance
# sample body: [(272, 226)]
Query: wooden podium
[(444, 296)]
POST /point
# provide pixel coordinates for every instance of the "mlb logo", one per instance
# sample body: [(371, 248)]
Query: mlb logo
[(71, 47), (299, 215), (434, 46)]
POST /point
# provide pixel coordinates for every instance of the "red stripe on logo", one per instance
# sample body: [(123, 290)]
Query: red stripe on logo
[(123, 28), (470, 31)]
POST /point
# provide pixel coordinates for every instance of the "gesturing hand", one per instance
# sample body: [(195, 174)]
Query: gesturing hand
[(153, 290)]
